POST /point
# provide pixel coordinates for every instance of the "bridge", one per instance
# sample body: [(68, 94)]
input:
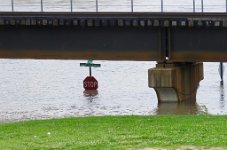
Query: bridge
[(179, 42)]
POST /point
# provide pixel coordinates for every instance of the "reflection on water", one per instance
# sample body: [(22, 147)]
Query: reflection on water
[(90, 93), (222, 97), (180, 108)]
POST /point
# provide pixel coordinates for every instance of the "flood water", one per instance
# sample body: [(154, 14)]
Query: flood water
[(40, 89)]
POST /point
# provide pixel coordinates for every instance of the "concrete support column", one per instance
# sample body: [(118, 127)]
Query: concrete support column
[(176, 82)]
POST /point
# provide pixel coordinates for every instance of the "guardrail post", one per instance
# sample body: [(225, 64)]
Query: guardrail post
[(12, 5), (161, 5), (71, 5), (194, 5), (97, 6), (41, 5), (202, 6), (226, 6), (131, 5)]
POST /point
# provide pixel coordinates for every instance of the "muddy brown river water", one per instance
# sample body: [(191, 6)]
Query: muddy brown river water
[(40, 89)]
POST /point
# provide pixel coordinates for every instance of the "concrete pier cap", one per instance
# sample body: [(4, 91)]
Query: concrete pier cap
[(176, 82)]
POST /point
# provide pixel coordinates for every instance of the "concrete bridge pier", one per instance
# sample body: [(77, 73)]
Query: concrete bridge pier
[(176, 82)]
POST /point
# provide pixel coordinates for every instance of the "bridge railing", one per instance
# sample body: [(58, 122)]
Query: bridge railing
[(108, 5)]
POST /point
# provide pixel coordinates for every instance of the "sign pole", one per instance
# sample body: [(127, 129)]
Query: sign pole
[(90, 71)]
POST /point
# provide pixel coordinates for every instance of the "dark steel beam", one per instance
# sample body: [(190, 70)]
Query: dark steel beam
[(198, 45), (177, 37), (63, 42)]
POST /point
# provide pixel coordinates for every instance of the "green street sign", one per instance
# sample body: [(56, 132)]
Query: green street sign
[(90, 64)]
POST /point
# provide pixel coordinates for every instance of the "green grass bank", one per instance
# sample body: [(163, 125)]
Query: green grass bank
[(120, 132)]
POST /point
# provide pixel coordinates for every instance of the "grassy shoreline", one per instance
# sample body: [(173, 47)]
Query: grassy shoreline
[(116, 132)]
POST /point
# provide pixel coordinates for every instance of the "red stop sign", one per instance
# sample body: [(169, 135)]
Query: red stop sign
[(90, 83)]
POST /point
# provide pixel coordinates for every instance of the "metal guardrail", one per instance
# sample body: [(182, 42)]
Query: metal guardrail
[(162, 6)]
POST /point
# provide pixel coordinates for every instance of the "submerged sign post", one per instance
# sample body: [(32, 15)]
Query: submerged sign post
[(90, 83)]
